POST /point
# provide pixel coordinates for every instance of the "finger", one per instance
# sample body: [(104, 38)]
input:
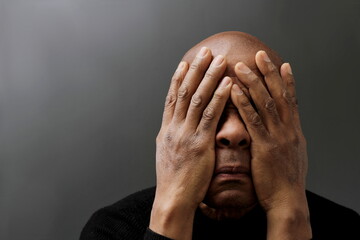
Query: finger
[(272, 77), (170, 100), (211, 115), (191, 82), (286, 74), (274, 82), (290, 96), (204, 92), (264, 103), (251, 118)]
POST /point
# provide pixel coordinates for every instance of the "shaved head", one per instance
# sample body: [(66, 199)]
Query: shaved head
[(222, 194), (235, 47)]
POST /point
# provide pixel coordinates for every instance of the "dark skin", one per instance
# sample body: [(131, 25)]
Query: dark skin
[(219, 151)]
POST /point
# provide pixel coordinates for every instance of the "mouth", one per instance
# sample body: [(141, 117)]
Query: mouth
[(232, 173), (232, 170)]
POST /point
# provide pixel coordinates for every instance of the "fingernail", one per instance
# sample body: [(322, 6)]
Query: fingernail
[(237, 90), (218, 60), (243, 68), (289, 69), (225, 82), (266, 57), (202, 52)]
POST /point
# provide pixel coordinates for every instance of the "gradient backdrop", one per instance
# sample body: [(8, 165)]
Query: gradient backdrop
[(83, 84)]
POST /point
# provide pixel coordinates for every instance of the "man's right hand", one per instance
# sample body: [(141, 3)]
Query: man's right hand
[(185, 150)]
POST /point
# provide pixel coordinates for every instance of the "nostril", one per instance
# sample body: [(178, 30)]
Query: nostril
[(242, 143), (225, 142)]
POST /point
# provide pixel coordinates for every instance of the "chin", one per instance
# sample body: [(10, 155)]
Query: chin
[(230, 195)]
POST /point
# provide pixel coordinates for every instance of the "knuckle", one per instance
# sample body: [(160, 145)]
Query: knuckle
[(292, 101), (206, 125), (218, 96), (183, 92), (286, 95), (194, 66), (192, 143), (254, 119), (196, 100), (197, 146), (271, 109), (168, 137), (291, 82), (297, 139), (270, 105), (165, 137), (244, 103), (209, 113), (170, 100), (176, 78), (210, 74)]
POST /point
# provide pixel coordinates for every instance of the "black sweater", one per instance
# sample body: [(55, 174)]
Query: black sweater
[(129, 219)]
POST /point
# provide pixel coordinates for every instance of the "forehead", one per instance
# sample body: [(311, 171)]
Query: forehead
[(233, 55), (236, 47)]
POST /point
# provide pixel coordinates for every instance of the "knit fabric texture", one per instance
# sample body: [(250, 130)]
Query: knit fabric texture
[(129, 219)]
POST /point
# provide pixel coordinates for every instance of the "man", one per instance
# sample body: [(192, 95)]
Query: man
[(231, 158)]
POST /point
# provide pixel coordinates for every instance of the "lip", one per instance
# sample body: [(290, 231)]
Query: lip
[(232, 177), (232, 173), (232, 170)]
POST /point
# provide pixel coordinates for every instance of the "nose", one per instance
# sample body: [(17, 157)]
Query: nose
[(232, 133)]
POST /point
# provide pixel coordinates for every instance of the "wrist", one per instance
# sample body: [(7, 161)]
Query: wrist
[(172, 219), (295, 197), (290, 221)]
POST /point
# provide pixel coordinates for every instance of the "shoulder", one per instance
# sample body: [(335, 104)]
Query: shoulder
[(329, 219), (321, 206), (140, 200), (125, 219)]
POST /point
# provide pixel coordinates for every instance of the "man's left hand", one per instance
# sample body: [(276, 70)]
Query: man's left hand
[(278, 147)]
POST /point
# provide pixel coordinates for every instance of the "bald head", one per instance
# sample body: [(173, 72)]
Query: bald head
[(235, 47)]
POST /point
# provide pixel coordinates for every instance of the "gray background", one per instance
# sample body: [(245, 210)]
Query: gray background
[(83, 85)]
